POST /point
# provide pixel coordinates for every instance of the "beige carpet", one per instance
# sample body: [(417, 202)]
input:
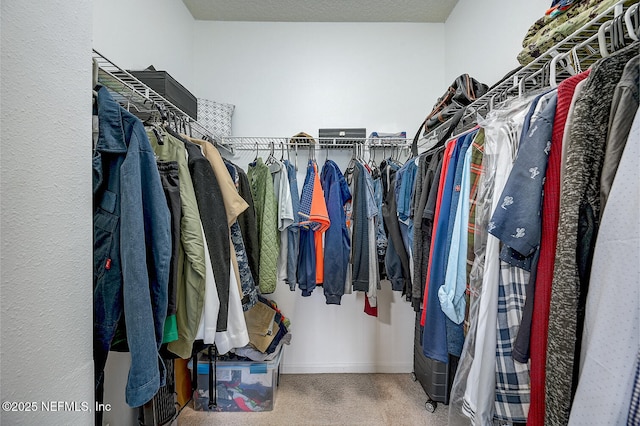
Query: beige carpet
[(335, 399)]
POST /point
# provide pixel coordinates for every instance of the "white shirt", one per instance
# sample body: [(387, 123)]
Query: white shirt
[(236, 335), (611, 338), (211, 306)]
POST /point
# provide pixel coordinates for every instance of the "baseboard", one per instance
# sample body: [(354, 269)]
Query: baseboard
[(396, 368)]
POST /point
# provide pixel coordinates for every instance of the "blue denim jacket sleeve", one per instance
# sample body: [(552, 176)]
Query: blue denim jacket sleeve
[(146, 255), (336, 239), (133, 251)]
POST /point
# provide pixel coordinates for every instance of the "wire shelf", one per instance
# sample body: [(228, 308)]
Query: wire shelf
[(261, 142), (143, 101)]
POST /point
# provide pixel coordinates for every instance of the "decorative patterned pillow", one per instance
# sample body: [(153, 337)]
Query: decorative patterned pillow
[(215, 117)]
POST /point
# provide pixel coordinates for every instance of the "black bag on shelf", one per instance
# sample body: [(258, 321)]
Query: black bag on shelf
[(462, 92)]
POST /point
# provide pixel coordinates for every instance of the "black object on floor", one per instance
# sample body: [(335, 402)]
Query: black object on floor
[(435, 377)]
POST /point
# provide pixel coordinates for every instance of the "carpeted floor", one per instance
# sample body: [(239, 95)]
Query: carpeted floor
[(335, 399)]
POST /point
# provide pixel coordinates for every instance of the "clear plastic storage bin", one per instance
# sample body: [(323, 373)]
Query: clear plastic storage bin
[(240, 385)]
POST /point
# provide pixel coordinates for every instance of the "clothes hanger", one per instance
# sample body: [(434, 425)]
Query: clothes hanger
[(158, 132), (538, 81), (394, 154), (326, 152), (633, 12), (375, 170), (271, 159), (256, 157), (177, 121), (399, 155), (288, 152), (372, 155), (547, 74), (602, 38), (163, 113), (173, 123), (618, 33), (384, 152), (353, 159), (579, 56), (312, 152), (156, 122), (577, 67), (159, 136)]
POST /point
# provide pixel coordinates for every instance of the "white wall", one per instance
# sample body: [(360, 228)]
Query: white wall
[(45, 174), (291, 77), (483, 38), (136, 34)]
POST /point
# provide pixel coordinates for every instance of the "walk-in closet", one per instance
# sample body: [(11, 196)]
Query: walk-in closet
[(320, 213)]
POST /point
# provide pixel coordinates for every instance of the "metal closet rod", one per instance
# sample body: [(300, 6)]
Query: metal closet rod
[(140, 99)]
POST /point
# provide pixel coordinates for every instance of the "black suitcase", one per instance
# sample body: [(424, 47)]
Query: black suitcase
[(435, 377)]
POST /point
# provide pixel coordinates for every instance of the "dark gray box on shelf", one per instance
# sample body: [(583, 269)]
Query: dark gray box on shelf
[(341, 136), (166, 86)]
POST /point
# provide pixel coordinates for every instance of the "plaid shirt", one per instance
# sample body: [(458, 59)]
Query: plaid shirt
[(477, 147), (512, 378)]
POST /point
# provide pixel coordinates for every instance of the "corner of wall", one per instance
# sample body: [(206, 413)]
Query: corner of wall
[(480, 41), (137, 33)]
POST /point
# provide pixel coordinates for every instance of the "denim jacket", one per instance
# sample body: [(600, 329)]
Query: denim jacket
[(337, 243), (132, 248)]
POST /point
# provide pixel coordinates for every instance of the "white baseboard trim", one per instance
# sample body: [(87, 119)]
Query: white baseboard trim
[(346, 368)]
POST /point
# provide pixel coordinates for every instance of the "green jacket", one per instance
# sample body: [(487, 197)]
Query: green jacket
[(191, 266), (267, 215)]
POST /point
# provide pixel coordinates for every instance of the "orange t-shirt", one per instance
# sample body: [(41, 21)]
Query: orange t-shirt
[(320, 215)]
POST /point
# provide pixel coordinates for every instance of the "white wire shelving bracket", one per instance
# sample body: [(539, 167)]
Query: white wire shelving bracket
[(141, 100), (576, 52)]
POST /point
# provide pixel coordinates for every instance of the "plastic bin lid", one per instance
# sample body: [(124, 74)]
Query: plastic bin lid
[(255, 367)]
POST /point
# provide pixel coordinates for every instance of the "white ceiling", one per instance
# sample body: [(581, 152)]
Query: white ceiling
[(321, 10)]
